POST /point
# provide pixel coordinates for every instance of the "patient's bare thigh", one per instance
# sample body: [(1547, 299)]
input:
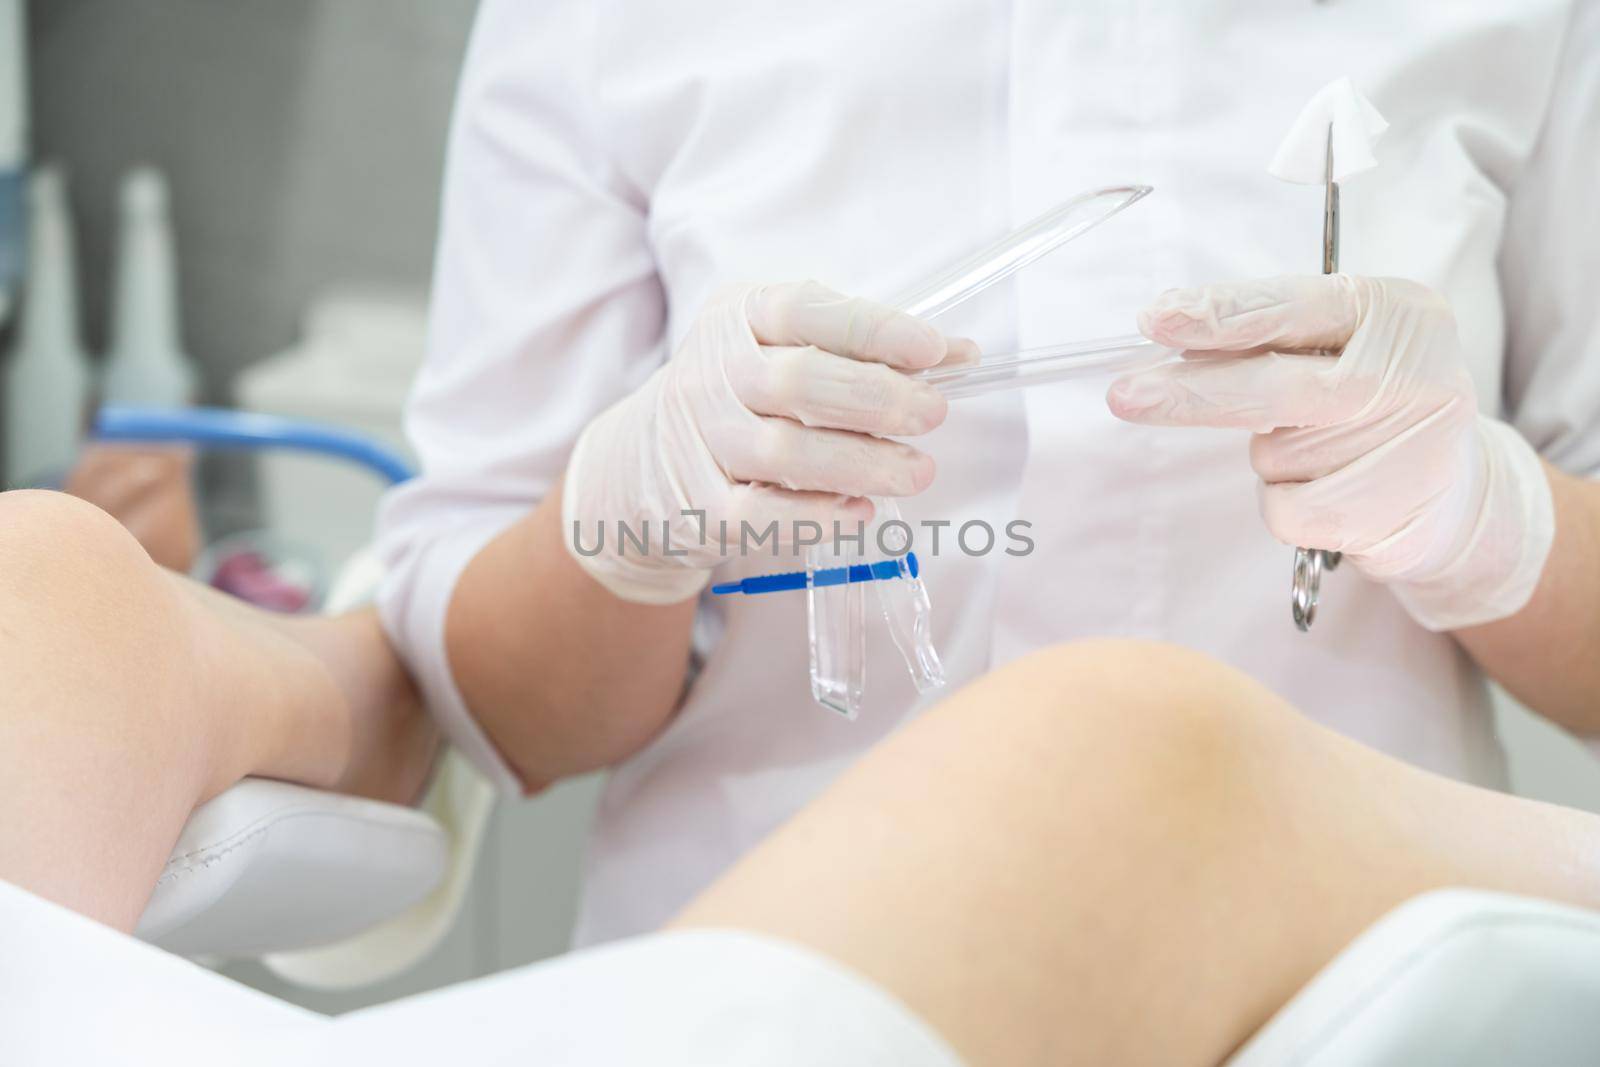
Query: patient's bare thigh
[(1120, 852)]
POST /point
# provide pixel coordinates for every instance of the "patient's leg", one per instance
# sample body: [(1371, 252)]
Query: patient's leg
[(1125, 853), (128, 695)]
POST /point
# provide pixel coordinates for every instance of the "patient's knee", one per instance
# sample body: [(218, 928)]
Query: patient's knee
[(70, 574), (57, 541), (1155, 710), (1112, 677), (85, 608), (1130, 661)]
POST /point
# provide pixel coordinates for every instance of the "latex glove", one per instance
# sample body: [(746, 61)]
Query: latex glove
[(769, 410), (1377, 451)]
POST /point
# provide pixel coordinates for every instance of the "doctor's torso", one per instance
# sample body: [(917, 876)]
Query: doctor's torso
[(867, 144)]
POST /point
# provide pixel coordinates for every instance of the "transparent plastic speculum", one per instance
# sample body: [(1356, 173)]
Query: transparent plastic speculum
[(836, 621), (837, 614), (904, 601), (966, 278), (1041, 366)]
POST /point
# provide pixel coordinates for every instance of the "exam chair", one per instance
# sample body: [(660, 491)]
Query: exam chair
[(1454, 977), (334, 891)]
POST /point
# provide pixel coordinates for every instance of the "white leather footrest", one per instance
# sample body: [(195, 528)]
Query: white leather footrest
[(1455, 977), (268, 866)]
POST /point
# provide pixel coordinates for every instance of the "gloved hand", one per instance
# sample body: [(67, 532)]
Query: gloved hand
[(1376, 450), (767, 411)]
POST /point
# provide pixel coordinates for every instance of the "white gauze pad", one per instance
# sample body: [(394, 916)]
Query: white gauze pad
[(1302, 157)]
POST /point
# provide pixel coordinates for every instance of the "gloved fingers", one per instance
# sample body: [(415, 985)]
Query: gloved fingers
[(818, 388), (785, 453), (1339, 514), (806, 313), (1379, 500), (960, 352), (1417, 443), (1295, 515), (1303, 312), (1259, 393), (1305, 453)]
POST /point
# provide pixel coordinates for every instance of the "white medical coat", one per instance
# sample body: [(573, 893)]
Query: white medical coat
[(613, 163)]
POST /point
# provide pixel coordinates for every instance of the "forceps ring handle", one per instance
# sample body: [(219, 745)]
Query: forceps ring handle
[(1306, 589)]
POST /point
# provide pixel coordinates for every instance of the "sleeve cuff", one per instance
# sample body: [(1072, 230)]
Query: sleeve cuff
[(412, 603), (1497, 570)]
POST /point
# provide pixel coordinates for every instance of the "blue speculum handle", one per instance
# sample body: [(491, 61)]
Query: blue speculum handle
[(856, 572)]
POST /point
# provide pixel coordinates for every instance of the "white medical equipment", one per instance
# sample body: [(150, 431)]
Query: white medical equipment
[(269, 866), (146, 364), (47, 374), (1453, 977), (13, 148), (836, 614)]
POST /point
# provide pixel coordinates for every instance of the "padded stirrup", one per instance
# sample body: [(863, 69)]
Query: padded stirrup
[(268, 866), (1457, 977)]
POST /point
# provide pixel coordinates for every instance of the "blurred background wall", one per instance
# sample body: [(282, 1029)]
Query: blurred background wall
[(303, 140)]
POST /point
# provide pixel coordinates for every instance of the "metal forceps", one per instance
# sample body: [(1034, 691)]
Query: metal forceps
[(1309, 563)]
